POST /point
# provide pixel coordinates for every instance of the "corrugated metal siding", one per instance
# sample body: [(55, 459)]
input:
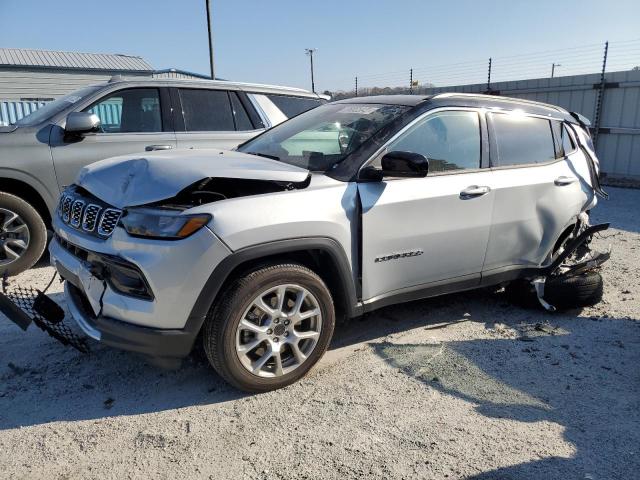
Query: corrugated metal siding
[(619, 143), (72, 60), (11, 112), (25, 83)]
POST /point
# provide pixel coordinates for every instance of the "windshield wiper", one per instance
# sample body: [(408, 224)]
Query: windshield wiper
[(272, 157)]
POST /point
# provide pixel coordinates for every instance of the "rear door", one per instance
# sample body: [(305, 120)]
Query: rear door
[(538, 192), (421, 232), (213, 118), (133, 120)]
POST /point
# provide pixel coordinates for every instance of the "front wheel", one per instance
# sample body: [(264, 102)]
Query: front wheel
[(23, 235), (269, 327)]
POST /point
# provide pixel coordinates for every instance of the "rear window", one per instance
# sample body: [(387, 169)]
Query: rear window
[(522, 140), (206, 110), (292, 106)]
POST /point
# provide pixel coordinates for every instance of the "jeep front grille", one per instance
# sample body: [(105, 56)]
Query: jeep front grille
[(109, 221), (88, 214), (90, 219)]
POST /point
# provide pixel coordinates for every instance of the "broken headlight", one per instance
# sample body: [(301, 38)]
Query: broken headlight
[(164, 224)]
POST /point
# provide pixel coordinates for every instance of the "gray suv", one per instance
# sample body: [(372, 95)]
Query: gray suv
[(43, 152), (344, 209)]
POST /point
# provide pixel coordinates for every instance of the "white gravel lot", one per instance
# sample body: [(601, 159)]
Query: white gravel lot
[(461, 386)]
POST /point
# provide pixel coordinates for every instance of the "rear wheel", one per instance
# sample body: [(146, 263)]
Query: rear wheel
[(574, 292), (23, 235), (270, 327), (562, 292)]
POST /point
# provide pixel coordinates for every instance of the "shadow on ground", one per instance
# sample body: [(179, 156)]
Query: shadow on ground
[(546, 374), (42, 381)]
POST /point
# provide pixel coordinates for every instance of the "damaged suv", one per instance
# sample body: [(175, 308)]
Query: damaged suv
[(346, 208)]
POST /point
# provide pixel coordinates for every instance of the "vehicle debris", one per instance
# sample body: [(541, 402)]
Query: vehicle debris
[(24, 305)]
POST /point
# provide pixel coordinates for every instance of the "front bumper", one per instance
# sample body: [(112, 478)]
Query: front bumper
[(175, 272), (164, 346)]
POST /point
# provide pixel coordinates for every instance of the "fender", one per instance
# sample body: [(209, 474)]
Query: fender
[(221, 273), (49, 198)]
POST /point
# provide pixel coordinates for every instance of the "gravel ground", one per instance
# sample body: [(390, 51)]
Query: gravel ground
[(461, 386)]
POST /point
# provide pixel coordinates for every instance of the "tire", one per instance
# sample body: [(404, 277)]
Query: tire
[(561, 292), (574, 292), (20, 224), (235, 349)]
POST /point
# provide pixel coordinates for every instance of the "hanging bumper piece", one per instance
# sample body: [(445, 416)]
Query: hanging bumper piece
[(26, 305)]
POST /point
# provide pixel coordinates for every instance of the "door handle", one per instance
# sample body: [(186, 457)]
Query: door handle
[(474, 191), (562, 181), (151, 148)]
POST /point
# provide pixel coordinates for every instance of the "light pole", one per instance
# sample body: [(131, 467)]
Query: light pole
[(208, 2), (553, 68), (309, 51)]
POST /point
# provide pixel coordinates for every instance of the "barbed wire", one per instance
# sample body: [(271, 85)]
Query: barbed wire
[(582, 59)]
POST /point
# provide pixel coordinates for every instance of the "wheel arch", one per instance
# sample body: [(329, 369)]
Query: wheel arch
[(322, 255), (29, 194)]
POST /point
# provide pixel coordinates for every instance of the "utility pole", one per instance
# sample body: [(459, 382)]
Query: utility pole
[(356, 86), (489, 77), (553, 68), (208, 3), (309, 51), (411, 81)]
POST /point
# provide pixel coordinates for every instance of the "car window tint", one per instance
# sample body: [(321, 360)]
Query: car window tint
[(242, 119), (557, 138), (292, 106), (206, 110), (450, 140), (129, 111), (567, 142), (522, 140)]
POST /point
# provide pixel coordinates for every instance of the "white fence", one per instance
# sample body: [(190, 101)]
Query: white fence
[(618, 140)]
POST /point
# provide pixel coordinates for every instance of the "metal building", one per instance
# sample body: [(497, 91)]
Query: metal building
[(30, 78)]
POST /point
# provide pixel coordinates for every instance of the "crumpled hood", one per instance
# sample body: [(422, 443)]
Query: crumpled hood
[(137, 180)]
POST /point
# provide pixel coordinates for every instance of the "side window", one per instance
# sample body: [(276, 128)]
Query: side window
[(522, 140), (450, 140), (292, 106), (567, 142), (206, 110), (243, 122), (129, 111)]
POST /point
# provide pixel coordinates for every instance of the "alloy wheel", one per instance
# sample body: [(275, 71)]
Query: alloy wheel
[(279, 330), (14, 237)]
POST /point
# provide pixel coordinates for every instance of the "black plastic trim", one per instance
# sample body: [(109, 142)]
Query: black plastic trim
[(222, 272), (153, 342), (469, 282)]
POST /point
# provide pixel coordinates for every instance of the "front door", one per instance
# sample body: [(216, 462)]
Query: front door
[(131, 122), (422, 232)]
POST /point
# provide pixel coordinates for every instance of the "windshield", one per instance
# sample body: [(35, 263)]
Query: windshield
[(320, 138), (54, 107)]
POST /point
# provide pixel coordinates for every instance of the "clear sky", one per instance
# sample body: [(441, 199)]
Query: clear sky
[(264, 41)]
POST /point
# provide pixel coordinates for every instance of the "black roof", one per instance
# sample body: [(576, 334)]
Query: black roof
[(466, 100), (407, 100)]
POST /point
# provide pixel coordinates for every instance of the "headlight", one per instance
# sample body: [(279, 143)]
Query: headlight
[(166, 224)]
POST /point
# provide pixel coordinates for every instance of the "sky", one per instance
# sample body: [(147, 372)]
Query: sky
[(379, 41)]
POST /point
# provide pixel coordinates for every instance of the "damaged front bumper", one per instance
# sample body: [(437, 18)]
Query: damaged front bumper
[(130, 293)]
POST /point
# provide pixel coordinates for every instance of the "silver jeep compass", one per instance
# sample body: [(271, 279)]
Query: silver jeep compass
[(346, 208)]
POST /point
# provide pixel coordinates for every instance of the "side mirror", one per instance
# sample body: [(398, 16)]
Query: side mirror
[(82, 122), (405, 164)]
